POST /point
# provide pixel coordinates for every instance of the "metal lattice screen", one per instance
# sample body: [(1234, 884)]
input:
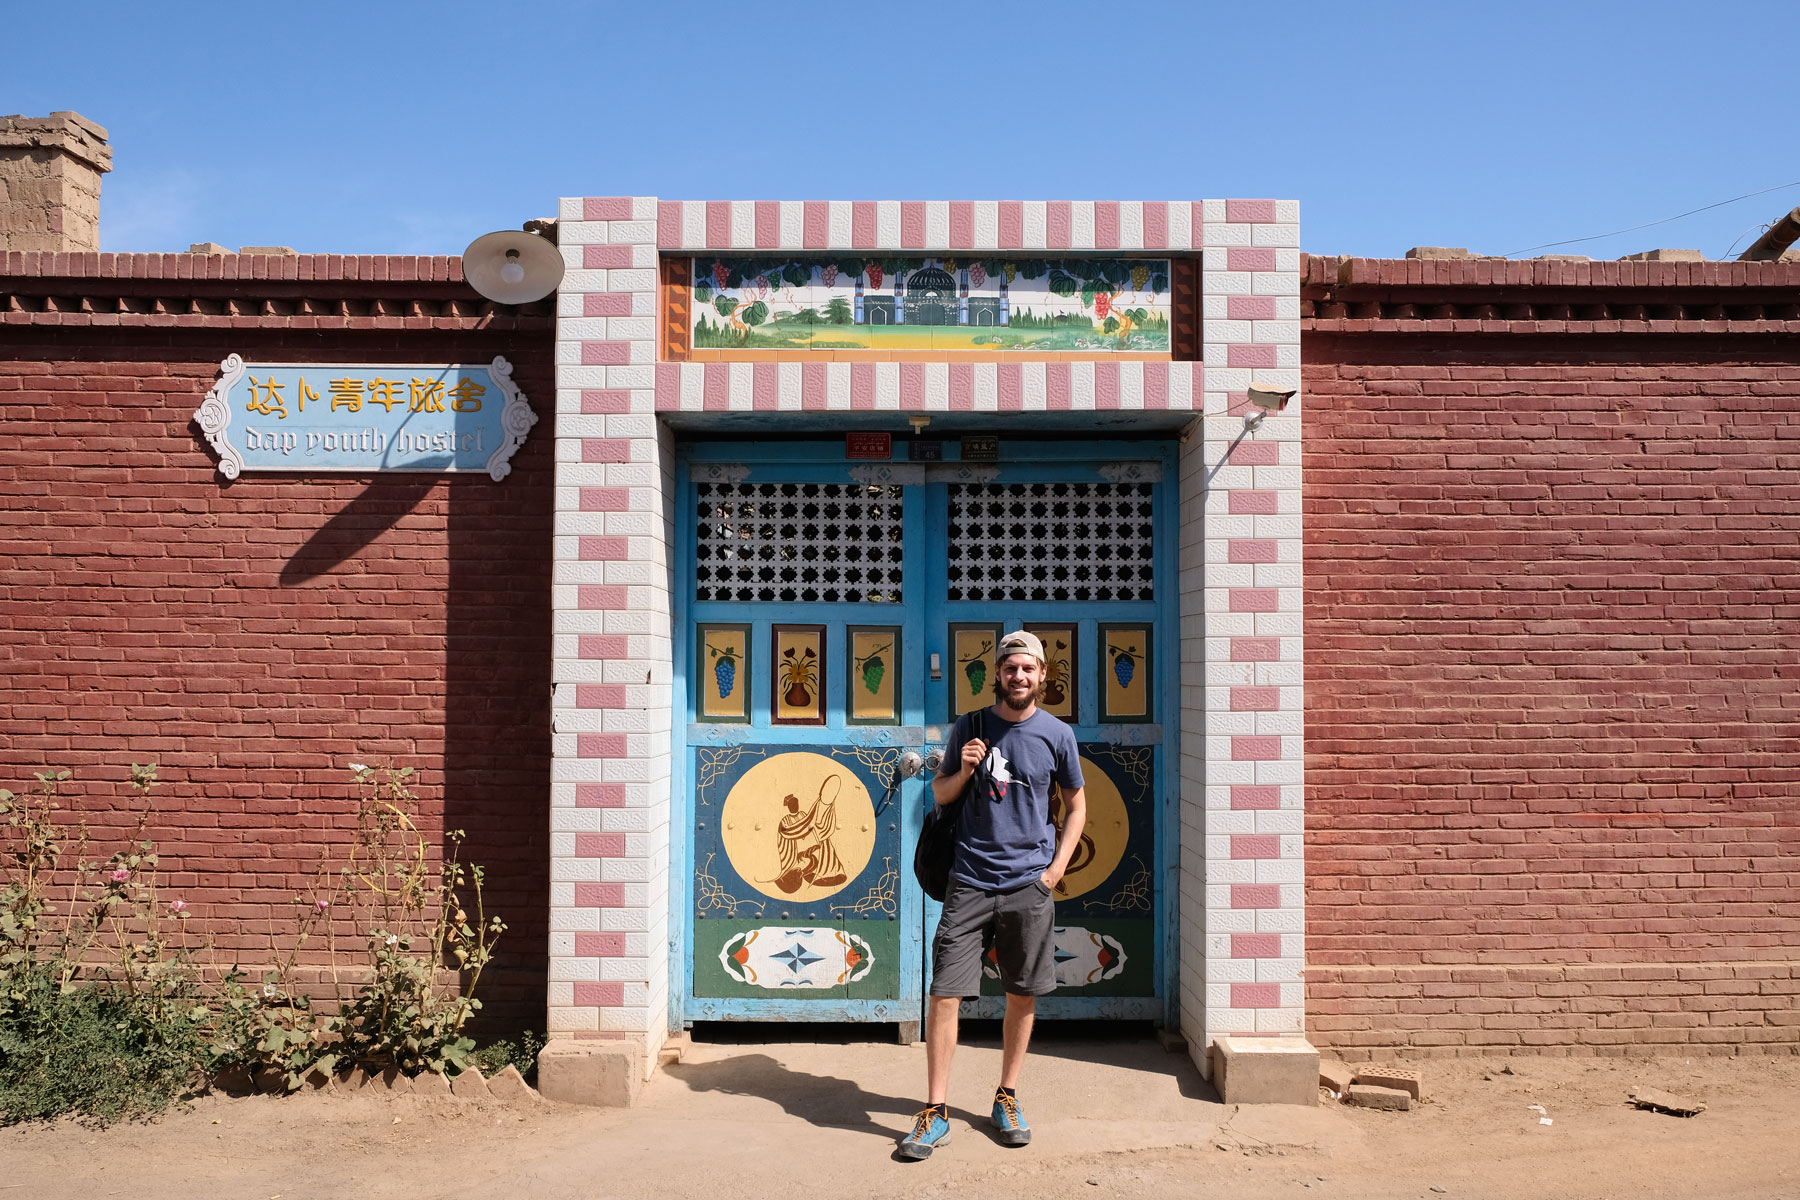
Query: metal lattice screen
[(1051, 541), (798, 541)]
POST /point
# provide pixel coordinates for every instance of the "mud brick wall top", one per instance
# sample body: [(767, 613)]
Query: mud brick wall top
[(253, 638)]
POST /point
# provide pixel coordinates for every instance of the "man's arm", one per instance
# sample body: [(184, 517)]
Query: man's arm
[(950, 784), (1075, 804)]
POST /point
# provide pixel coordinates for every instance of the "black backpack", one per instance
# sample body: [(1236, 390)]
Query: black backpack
[(936, 851)]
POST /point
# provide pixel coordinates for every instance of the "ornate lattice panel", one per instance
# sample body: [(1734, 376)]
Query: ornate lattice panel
[(798, 541), (1050, 541)]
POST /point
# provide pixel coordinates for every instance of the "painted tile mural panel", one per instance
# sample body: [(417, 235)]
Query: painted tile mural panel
[(1125, 673), (874, 681), (987, 305)]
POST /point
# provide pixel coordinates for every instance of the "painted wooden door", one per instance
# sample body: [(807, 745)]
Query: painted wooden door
[(834, 617)]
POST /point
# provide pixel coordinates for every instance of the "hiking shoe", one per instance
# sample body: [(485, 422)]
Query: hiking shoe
[(930, 1130), (1010, 1121)]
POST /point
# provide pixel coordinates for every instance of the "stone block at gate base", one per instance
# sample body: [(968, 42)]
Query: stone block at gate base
[(600, 1074), (1266, 1070)]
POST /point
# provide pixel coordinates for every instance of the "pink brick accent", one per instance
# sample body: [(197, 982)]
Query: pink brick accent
[(597, 647), (815, 224), (606, 450), (1259, 504), (862, 385), (1255, 845), (1156, 224), (1255, 895), (862, 224), (912, 386), (768, 224), (1057, 225), (1256, 454), (715, 393), (668, 224), (605, 258), (912, 224), (606, 208), (599, 845), (594, 597), (1250, 995), (1253, 600), (1255, 747), (1240, 354), (1262, 211), (1250, 258), (599, 895), (1252, 550), (1156, 385), (668, 387), (599, 995), (1197, 221), (1250, 308), (1106, 225), (1059, 386), (718, 224), (606, 304), (599, 795), (1106, 385), (1247, 797), (605, 354), (603, 549), (608, 401), (815, 386), (1243, 945), (1255, 699), (962, 224), (600, 695), (1010, 387), (611, 945), (605, 499), (765, 387), (1255, 649), (600, 745), (962, 389), (1012, 224)]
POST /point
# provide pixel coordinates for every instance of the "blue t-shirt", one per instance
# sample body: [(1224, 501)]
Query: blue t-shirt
[(1007, 839)]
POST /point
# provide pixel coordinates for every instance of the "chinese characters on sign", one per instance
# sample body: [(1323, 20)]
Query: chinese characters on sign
[(327, 417)]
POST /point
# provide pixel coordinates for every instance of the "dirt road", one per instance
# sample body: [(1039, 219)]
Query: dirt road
[(1112, 1118)]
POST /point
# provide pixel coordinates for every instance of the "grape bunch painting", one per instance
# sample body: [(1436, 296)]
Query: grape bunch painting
[(872, 668), (1124, 663), (724, 668)]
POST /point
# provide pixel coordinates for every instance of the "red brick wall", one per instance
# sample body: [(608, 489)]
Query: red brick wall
[(1553, 692), (254, 637)]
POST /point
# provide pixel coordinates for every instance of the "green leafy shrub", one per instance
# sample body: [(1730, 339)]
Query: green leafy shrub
[(521, 1052)]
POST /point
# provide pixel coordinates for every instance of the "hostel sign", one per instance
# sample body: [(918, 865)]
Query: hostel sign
[(362, 419)]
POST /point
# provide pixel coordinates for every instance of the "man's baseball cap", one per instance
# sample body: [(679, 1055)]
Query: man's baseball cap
[(1019, 642)]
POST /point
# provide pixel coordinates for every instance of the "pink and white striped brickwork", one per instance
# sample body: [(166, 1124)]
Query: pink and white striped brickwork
[(1240, 867)]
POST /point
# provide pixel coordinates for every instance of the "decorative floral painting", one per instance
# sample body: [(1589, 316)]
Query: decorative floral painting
[(797, 674), (954, 302), (1061, 681), (722, 656)]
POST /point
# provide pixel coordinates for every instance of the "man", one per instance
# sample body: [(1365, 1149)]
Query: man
[(1008, 861)]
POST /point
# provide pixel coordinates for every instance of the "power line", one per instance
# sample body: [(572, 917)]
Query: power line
[(1647, 224)]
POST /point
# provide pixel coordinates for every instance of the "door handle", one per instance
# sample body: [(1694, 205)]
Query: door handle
[(911, 763)]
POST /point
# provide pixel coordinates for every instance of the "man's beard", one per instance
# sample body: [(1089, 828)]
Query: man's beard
[(1006, 701)]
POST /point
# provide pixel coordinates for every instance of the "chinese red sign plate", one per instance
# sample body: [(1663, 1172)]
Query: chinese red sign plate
[(878, 446), (299, 417)]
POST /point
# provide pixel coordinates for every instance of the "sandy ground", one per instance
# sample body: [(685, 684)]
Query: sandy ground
[(1113, 1117)]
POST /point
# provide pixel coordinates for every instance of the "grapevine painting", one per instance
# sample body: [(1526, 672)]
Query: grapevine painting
[(874, 681), (972, 647), (955, 302), (797, 673), (723, 666), (1125, 673)]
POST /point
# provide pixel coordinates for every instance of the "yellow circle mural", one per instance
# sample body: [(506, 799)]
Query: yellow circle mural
[(1102, 840), (798, 827)]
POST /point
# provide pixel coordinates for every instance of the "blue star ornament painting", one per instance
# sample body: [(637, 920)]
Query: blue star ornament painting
[(784, 959)]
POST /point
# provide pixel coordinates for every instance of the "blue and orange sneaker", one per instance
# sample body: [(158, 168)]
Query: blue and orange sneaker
[(1010, 1121), (931, 1129)]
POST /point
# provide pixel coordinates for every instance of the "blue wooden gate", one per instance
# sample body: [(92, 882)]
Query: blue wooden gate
[(832, 619)]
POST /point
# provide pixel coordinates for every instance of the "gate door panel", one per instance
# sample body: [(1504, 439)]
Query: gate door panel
[(799, 824)]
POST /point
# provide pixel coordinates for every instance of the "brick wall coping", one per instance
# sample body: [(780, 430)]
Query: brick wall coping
[(444, 268), (1345, 271)]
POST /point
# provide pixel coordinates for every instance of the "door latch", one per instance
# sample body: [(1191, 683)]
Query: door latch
[(911, 763)]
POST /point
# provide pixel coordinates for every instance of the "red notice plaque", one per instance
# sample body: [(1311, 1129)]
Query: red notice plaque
[(869, 445)]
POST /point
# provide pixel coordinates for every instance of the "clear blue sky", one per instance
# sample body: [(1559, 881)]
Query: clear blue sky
[(390, 127)]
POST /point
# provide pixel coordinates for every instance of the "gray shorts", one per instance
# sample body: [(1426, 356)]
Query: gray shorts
[(1016, 924)]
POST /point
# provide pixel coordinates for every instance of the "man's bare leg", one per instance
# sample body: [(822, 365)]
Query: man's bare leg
[(941, 1026), (1021, 1015)]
